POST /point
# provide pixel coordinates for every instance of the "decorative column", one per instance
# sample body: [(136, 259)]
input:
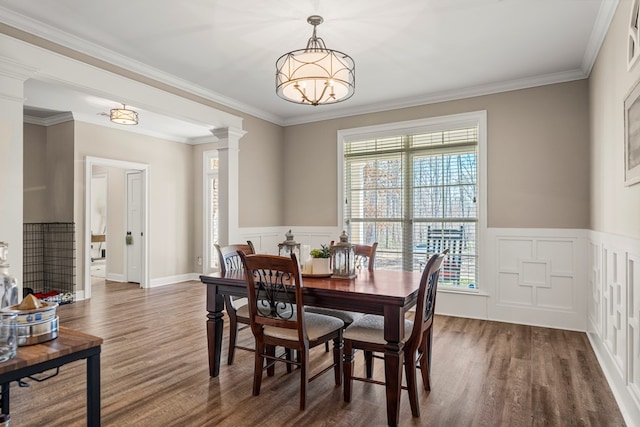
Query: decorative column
[(228, 174), (12, 78)]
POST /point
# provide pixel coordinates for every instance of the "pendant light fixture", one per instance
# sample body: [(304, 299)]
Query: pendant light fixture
[(315, 75), (124, 116)]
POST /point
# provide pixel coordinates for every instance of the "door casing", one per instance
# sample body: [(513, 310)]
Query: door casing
[(144, 169)]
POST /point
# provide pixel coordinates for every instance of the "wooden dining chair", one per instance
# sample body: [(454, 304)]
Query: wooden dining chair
[(367, 333), (365, 256), (278, 280), (237, 309)]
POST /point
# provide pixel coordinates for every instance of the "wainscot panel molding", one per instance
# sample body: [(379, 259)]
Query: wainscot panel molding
[(266, 239), (473, 305), (536, 277), (527, 276), (614, 315)]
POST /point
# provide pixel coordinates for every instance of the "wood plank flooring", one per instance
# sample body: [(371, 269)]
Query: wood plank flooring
[(155, 373)]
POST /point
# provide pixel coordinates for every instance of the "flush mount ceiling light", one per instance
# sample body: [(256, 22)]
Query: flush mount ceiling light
[(315, 75), (123, 116)]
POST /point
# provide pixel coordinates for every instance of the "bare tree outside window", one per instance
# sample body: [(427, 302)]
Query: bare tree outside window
[(415, 194)]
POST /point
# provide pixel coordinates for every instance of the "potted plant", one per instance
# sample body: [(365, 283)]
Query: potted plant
[(321, 260)]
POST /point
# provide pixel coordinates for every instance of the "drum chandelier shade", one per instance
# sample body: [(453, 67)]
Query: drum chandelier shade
[(123, 116), (315, 75)]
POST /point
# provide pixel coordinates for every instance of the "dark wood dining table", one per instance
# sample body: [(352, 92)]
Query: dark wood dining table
[(383, 292)]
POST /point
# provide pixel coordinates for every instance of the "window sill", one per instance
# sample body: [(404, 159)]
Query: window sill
[(472, 292)]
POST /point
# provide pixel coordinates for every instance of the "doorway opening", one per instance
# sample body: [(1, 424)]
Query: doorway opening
[(98, 222), (115, 239)]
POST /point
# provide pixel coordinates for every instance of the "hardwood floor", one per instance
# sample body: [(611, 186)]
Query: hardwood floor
[(155, 373)]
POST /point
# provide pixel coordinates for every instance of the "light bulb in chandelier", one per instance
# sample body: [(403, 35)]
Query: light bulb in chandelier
[(315, 75)]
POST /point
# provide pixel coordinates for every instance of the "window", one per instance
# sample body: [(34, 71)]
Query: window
[(414, 188), (211, 208)]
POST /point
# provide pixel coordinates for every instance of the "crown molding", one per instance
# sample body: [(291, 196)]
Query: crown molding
[(99, 121), (49, 121), (140, 130), (70, 41), (202, 140), (472, 91), (15, 70), (603, 21)]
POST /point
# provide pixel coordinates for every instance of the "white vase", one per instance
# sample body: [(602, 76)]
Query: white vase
[(321, 266)]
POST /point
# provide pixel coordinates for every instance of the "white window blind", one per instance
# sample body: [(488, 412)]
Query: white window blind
[(416, 194), (213, 208)]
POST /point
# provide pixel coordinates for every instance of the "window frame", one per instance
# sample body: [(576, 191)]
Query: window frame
[(426, 125), (209, 264)]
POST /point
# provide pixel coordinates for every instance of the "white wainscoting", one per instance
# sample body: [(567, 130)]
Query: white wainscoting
[(266, 239), (614, 316), (537, 277), (527, 276)]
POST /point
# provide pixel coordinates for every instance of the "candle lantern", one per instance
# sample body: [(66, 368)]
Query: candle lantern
[(289, 246), (343, 258)]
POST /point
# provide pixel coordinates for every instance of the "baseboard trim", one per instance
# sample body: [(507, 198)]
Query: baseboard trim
[(628, 406), (170, 280), (115, 277)]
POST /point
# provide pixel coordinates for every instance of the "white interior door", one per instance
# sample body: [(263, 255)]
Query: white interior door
[(134, 237), (99, 186)]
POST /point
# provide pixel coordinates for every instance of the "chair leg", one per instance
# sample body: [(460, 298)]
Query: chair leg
[(233, 329), (287, 352), (425, 359), (271, 351), (233, 333), (258, 367), (410, 373), (429, 346), (304, 376), (368, 359), (326, 347), (348, 370), (337, 359)]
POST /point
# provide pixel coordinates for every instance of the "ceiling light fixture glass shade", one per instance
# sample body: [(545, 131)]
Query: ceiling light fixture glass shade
[(124, 116), (315, 75)]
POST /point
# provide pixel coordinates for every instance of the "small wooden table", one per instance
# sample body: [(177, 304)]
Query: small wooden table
[(386, 293), (68, 347)]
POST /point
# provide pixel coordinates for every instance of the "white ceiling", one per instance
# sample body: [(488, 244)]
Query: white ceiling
[(407, 52)]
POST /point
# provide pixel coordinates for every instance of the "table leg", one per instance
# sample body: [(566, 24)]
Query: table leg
[(215, 325), (93, 391), (5, 397), (393, 376), (393, 361)]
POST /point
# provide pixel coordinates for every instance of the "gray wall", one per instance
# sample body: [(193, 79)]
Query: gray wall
[(614, 207), (48, 173), (170, 193), (538, 157), (35, 174)]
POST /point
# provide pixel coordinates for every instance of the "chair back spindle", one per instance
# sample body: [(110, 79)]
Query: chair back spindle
[(274, 286), (228, 257), (229, 261), (278, 319)]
